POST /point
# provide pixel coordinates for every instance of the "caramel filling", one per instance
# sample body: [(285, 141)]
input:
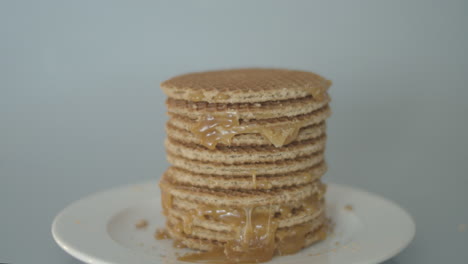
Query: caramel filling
[(166, 201), (221, 128), (222, 96), (285, 245), (200, 96), (196, 96), (318, 93), (255, 239), (178, 244)]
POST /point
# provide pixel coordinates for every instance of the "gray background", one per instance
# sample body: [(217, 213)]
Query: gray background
[(81, 111)]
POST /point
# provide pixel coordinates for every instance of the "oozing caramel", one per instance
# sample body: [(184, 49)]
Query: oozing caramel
[(254, 179), (221, 128), (212, 130), (255, 239)]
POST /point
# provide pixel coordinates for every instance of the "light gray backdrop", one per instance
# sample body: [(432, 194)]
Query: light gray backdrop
[(81, 111)]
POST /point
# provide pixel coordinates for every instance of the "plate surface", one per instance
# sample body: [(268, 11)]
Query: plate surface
[(100, 229)]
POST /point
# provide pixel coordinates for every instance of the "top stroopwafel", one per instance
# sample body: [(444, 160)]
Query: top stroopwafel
[(246, 85)]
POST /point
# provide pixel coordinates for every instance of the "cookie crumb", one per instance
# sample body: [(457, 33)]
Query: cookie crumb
[(461, 228), (161, 233), (337, 243), (349, 207), (141, 224)]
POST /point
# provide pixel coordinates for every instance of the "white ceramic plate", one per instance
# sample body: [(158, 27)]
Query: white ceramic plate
[(101, 229)]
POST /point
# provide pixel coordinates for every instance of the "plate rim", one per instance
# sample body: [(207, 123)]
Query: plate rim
[(401, 209)]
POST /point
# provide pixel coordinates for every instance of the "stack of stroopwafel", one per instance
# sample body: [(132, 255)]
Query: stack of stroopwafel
[(247, 154)]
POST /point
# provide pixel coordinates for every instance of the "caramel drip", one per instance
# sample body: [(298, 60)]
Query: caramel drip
[(281, 135), (254, 179), (187, 220), (256, 227), (321, 189), (322, 232), (256, 241), (230, 216), (307, 177), (264, 185), (166, 201), (221, 128), (286, 244), (212, 130), (179, 227)]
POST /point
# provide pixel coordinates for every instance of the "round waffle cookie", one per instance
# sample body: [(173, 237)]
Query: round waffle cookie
[(242, 198), (242, 169), (246, 149), (245, 154), (245, 182), (245, 86)]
